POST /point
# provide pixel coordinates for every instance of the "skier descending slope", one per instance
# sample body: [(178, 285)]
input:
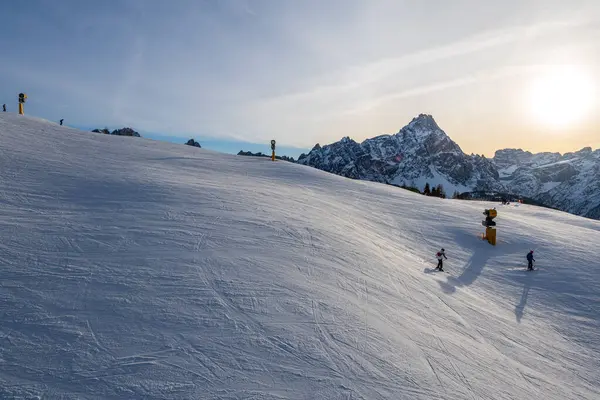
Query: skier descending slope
[(530, 261), (440, 256)]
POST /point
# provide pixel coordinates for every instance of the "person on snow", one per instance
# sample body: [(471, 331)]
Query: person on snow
[(530, 260), (440, 256), (4, 107), (61, 121)]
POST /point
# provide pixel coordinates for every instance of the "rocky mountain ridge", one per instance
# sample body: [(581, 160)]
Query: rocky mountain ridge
[(422, 152)]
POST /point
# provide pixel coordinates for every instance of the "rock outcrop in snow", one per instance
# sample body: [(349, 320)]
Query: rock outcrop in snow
[(119, 132), (193, 143), (422, 152)]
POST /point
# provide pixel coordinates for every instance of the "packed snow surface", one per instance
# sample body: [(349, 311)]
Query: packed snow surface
[(135, 269)]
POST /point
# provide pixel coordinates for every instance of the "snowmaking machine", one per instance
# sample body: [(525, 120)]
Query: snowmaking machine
[(489, 223)]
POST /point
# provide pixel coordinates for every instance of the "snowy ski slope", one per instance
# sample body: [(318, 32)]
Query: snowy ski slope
[(136, 269)]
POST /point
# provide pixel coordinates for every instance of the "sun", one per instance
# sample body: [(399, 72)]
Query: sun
[(561, 96)]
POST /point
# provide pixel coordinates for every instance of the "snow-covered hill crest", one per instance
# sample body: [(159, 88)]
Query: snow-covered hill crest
[(137, 269), (421, 152)]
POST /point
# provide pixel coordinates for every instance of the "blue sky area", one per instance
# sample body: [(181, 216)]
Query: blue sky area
[(310, 71), (232, 147), (215, 144)]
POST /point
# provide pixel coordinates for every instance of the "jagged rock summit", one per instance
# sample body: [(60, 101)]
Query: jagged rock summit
[(420, 152)]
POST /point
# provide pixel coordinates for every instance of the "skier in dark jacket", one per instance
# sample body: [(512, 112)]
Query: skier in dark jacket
[(61, 121), (4, 107), (530, 260), (440, 256)]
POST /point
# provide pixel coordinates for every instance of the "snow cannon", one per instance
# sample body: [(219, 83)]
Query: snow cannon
[(489, 223), (22, 98), (489, 216), (273, 150)]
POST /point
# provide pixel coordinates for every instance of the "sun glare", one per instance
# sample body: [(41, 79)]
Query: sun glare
[(561, 96)]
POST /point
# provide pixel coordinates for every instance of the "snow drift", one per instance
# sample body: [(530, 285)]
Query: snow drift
[(131, 268)]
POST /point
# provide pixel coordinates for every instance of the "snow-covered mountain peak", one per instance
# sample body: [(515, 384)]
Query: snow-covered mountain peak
[(569, 181), (424, 131), (419, 153), (423, 124), (508, 157), (584, 152)]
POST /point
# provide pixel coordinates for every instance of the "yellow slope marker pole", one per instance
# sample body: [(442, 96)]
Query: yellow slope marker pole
[(22, 98), (273, 150)]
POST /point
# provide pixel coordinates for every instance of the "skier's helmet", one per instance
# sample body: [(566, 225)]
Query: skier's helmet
[(443, 249)]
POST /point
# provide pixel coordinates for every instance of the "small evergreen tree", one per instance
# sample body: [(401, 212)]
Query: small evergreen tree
[(427, 190), (439, 191)]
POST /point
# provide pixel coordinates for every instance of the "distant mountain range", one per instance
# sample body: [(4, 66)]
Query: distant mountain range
[(422, 152)]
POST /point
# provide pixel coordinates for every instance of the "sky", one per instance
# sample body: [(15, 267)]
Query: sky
[(235, 72)]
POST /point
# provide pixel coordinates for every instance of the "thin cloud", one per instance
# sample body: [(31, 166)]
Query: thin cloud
[(371, 73), (132, 72), (248, 9), (440, 86)]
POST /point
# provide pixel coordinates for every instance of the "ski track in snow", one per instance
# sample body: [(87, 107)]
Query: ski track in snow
[(131, 268)]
